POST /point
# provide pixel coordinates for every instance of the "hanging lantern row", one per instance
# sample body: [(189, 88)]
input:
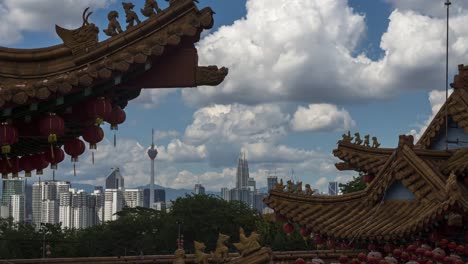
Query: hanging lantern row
[(26, 163)]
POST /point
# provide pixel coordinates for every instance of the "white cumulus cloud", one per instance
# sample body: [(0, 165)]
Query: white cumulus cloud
[(321, 117)]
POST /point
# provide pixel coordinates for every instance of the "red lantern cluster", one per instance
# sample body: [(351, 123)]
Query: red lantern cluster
[(8, 137), (52, 126), (116, 117), (99, 109)]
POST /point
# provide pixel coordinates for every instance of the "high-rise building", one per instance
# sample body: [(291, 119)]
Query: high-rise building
[(46, 201), (333, 188), (271, 182), (97, 202), (199, 189), (12, 187), (251, 184), (65, 208), (28, 201), (242, 174), (133, 198), (113, 203), (225, 194), (159, 196), (17, 207), (115, 180), (258, 203), (13, 198), (4, 211)]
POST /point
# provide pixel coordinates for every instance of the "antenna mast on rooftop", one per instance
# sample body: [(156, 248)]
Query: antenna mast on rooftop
[(447, 4)]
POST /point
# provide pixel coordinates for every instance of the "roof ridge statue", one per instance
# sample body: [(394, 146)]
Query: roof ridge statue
[(130, 15), (80, 40), (221, 253), (200, 256), (247, 245), (113, 27), (150, 6)]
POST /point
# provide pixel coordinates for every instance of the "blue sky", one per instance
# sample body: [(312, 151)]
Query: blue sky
[(302, 72)]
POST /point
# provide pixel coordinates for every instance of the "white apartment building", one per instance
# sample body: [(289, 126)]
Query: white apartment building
[(113, 203), (133, 198)]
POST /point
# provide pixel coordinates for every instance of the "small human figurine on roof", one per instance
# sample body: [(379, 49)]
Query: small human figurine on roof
[(114, 27), (130, 15), (150, 6)]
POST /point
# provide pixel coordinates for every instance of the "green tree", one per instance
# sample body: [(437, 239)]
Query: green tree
[(356, 184)]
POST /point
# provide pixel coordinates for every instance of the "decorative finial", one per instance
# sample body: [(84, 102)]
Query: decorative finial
[(130, 15), (114, 27), (150, 6)]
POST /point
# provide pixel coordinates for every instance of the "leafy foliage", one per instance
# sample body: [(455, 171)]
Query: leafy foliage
[(356, 184), (147, 231)]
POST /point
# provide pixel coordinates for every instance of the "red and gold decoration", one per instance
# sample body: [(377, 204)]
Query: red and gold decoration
[(99, 109), (74, 148), (93, 135), (52, 126), (27, 164), (8, 137), (116, 117), (54, 156), (39, 162)]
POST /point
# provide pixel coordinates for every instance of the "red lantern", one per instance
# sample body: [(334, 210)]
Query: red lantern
[(99, 109), (443, 243), (383, 261), (40, 163), (300, 261), (288, 228), (397, 253), (420, 251), (8, 137), (27, 164), (405, 256), (5, 167), (318, 239), (93, 135), (460, 249), (74, 148), (362, 257), (411, 248), (116, 117), (54, 156), (354, 261), (15, 166), (52, 126), (368, 178), (428, 254), (343, 259), (452, 246), (330, 244), (304, 232)]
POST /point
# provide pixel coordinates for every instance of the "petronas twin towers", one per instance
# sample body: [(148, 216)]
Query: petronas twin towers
[(242, 172)]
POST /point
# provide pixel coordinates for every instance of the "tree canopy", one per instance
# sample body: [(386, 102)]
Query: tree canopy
[(147, 231)]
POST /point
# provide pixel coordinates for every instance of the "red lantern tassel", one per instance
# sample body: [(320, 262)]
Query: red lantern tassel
[(74, 169), (115, 140), (92, 157)]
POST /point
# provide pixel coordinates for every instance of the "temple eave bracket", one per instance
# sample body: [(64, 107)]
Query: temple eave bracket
[(210, 75)]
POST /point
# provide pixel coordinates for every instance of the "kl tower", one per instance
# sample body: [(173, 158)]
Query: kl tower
[(152, 153)]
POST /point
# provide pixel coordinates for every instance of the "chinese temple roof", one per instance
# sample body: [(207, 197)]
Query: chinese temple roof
[(158, 52), (456, 107), (32, 75), (368, 214)]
